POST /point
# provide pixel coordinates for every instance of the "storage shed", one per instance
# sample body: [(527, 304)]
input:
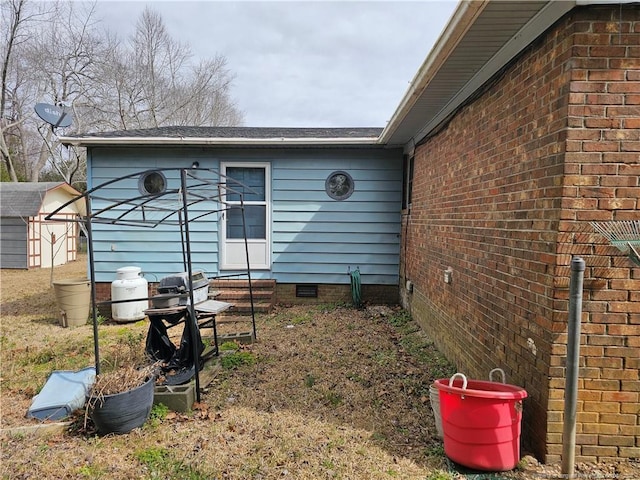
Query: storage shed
[(26, 239)]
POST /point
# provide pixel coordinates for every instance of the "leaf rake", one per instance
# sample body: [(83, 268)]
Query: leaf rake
[(623, 234)]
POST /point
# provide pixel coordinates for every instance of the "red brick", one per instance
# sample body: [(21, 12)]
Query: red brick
[(617, 204), (616, 440), (623, 330), (630, 146), (606, 75), (605, 99), (608, 407), (623, 87), (600, 451), (619, 418), (632, 99), (625, 452)]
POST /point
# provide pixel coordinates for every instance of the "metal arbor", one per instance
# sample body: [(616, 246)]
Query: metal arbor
[(198, 193)]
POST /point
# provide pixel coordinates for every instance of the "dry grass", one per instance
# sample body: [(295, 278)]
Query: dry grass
[(121, 380), (326, 392), (33, 343)]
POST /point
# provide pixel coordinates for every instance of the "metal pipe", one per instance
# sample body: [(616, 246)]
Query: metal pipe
[(572, 367), (191, 319), (246, 251), (92, 277)]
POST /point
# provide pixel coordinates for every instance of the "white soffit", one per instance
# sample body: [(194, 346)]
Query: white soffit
[(480, 39)]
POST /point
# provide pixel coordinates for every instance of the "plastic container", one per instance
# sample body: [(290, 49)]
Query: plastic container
[(122, 412), (74, 300), (434, 397), (481, 422), (129, 285)]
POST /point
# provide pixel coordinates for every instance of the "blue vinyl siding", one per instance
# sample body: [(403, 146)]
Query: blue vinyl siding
[(315, 239), (158, 250)]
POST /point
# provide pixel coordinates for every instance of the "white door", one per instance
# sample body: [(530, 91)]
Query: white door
[(246, 184)]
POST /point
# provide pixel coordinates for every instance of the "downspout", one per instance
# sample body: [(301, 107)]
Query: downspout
[(573, 365)]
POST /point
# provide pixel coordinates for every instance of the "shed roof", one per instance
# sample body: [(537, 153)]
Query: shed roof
[(24, 199), (239, 136)]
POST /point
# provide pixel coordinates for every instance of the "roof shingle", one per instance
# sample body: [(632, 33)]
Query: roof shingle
[(238, 132), (23, 199)]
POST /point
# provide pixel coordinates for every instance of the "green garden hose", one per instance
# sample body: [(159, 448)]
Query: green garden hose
[(356, 293)]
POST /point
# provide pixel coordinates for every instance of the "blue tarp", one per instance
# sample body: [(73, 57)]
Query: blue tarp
[(64, 392)]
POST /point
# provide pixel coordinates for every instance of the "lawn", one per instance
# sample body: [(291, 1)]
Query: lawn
[(327, 392)]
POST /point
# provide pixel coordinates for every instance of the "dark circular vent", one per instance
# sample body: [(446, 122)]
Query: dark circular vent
[(339, 185), (152, 183)]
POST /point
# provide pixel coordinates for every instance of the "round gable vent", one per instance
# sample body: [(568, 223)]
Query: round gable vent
[(339, 185), (152, 183)]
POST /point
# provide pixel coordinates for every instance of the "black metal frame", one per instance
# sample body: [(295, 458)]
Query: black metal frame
[(171, 207)]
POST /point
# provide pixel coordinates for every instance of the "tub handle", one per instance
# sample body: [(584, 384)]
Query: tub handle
[(464, 380), (504, 378)]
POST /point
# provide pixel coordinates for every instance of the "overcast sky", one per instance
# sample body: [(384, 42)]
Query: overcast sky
[(304, 64)]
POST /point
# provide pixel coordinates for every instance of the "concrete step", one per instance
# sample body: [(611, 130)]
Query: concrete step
[(241, 295), (237, 293), (244, 308), (242, 283)]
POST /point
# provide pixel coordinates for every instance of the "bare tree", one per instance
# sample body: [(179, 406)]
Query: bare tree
[(63, 53), (155, 84), (66, 60), (47, 58), (15, 21)]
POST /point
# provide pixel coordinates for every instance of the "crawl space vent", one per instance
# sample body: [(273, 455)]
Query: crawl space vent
[(308, 291)]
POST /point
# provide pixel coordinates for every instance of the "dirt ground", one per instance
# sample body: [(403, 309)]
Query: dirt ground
[(329, 392)]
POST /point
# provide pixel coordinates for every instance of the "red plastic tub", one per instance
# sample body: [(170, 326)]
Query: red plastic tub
[(481, 422)]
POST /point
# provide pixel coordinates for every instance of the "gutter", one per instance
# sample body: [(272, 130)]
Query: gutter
[(232, 141), (461, 20)]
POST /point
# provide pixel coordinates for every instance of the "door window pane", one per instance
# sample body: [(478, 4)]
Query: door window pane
[(253, 178), (255, 222)]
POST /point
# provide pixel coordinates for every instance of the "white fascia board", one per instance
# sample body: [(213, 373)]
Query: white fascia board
[(539, 23), (121, 141), (461, 20), (603, 2)]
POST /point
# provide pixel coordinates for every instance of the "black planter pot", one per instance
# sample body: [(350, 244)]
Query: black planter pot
[(122, 412)]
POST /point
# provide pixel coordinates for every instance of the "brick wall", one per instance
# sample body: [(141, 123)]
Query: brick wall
[(375, 294), (602, 183), (286, 294), (503, 195)]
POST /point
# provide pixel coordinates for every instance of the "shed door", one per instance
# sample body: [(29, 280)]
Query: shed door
[(257, 218)]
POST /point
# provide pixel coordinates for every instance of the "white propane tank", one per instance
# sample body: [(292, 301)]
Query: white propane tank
[(129, 285)]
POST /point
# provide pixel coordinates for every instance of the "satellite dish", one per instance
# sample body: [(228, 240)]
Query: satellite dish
[(56, 116)]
